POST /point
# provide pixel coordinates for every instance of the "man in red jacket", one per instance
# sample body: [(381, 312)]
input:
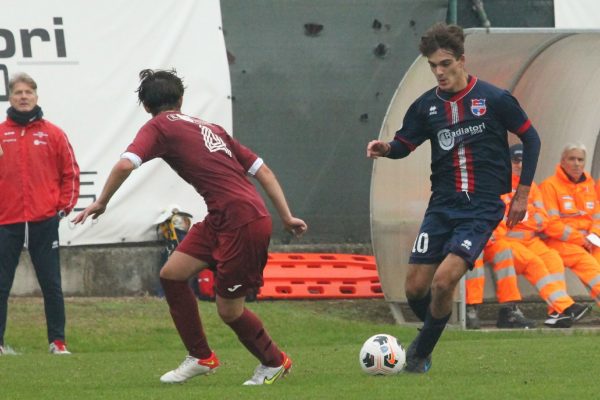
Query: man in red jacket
[(39, 182)]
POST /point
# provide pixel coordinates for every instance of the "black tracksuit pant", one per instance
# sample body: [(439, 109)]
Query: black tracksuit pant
[(42, 242)]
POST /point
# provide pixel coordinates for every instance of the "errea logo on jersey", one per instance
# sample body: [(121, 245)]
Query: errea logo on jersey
[(432, 110), (467, 244)]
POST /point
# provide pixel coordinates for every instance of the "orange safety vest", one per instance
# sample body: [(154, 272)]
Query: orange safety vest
[(536, 219), (573, 207)]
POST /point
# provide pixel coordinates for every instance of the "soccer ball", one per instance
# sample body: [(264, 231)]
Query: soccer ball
[(382, 354)]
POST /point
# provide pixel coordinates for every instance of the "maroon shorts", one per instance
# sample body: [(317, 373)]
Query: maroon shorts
[(237, 257)]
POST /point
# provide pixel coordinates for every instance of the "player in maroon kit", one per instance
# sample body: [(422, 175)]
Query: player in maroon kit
[(232, 240)]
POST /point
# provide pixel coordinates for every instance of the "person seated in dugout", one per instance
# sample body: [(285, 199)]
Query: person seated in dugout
[(497, 255), (532, 258), (574, 217)]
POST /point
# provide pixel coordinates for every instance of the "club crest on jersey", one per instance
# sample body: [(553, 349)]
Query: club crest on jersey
[(478, 107)]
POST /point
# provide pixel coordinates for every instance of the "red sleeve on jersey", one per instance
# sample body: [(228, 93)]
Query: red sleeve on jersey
[(523, 127), (413, 131), (243, 154), (408, 144), (148, 142), (511, 114)]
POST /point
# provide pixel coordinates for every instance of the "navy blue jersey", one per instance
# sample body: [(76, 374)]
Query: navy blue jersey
[(468, 134)]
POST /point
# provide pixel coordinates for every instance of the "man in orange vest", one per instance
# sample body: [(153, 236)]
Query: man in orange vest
[(574, 226), (541, 265), (519, 250)]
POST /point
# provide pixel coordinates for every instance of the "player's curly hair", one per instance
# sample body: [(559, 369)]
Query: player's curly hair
[(160, 90), (442, 36)]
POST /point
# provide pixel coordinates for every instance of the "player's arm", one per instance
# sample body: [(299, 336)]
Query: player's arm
[(516, 121), (395, 149), (119, 173), (411, 135), (531, 151), (270, 184), (1, 151)]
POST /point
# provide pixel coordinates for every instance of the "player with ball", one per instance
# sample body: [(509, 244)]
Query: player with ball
[(466, 121)]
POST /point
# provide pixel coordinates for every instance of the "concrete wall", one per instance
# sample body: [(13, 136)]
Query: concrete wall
[(127, 270), (98, 271)]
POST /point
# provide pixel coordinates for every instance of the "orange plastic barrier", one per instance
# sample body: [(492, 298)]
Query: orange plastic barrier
[(320, 276)]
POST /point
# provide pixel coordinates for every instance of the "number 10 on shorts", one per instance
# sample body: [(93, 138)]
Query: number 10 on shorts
[(421, 243)]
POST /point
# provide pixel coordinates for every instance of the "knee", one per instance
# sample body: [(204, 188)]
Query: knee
[(415, 289), (414, 293), (228, 314), (171, 274), (164, 274), (442, 285)]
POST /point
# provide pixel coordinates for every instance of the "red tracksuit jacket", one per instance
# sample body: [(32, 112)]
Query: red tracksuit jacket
[(39, 175)]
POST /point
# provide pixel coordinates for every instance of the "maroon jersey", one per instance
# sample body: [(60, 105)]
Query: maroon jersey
[(210, 160)]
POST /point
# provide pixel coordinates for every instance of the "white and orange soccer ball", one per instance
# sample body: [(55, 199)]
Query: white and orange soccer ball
[(382, 354)]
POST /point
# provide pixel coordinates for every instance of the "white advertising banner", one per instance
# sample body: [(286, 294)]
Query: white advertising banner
[(577, 14), (85, 57)]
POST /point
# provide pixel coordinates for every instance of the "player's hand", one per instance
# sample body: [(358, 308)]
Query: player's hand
[(295, 226), (518, 206), (94, 210), (377, 148)]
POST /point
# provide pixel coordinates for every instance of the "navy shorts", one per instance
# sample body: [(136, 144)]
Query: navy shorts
[(457, 223)]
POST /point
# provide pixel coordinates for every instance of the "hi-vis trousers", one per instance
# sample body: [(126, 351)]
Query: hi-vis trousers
[(582, 263), (530, 258)]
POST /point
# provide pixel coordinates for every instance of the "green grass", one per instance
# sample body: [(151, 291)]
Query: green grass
[(122, 346)]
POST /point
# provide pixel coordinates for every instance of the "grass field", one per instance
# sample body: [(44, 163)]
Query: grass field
[(122, 346)]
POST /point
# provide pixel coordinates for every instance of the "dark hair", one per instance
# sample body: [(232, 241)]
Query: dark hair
[(160, 90), (442, 36)]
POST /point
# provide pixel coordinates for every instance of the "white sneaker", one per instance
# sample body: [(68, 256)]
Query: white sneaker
[(191, 367), (267, 375), (58, 347), (6, 350)]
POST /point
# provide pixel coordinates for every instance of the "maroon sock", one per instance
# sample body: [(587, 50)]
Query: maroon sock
[(252, 334), (184, 311)]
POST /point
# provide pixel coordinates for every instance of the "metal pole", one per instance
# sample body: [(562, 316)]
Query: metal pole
[(462, 304), (452, 11), (478, 7)]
